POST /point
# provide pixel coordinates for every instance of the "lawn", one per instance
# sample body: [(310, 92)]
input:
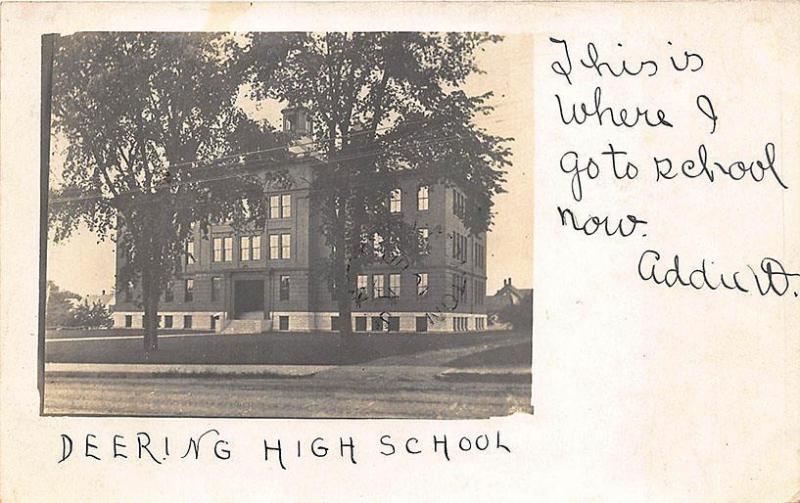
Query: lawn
[(68, 333), (322, 348), (515, 355)]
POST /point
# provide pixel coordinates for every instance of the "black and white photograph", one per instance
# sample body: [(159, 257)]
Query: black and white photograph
[(288, 251), (288, 225)]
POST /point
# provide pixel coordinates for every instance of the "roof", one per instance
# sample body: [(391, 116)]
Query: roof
[(104, 298), (508, 295)]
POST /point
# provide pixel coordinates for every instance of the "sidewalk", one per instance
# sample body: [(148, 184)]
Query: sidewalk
[(183, 370), (513, 374), (193, 370)]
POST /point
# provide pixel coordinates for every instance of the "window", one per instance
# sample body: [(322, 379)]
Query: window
[(216, 288), (213, 322), (479, 289), (334, 323), (459, 204), (250, 248), (377, 286), (424, 240), (244, 248), (284, 287), (187, 321), (283, 323), (395, 201), (169, 295), (459, 287), (216, 255), (286, 205), (274, 207), (128, 321), (190, 252), (394, 323), (361, 285), (280, 246), (361, 323), (377, 324), (280, 206), (422, 198), (286, 246), (422, 283), (223, 249), (394, 285), (479, 256), (422, 323), (377, 244), (188, 290), (168, 321), (274, 247), (228, 248), (460, 243)]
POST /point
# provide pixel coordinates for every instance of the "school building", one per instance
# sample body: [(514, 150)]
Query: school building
[(267, 280)]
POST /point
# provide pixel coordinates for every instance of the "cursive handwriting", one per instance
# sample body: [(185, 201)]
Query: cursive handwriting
[(771, 277), (688, 61), (621, 117)]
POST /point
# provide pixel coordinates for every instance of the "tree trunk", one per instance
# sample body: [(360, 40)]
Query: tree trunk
[(345, 314), (343, 284), (150, 301)]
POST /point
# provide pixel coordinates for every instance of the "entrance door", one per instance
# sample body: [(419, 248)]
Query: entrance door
[(248, 297)]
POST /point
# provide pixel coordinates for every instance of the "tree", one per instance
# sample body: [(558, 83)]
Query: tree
[(95, 315), (384, 104), (519, 315), (60, 305), (155, 148)]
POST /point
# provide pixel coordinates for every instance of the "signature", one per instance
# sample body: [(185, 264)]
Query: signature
[(770, 277)]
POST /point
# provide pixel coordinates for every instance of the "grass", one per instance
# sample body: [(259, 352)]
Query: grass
[(67, 333), (277, 348), (516, 355)]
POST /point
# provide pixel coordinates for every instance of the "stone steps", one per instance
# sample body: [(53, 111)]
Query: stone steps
[(245, 326)]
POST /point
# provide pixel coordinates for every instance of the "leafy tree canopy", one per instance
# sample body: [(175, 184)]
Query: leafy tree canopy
[(156, 146), (385, 104)]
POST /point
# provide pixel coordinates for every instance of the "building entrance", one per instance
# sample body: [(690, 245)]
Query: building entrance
[(248, 298)]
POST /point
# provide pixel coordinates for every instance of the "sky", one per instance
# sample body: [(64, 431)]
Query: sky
[(86, 266)]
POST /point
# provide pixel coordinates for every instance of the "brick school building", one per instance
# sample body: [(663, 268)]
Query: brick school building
[(271, 279)]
